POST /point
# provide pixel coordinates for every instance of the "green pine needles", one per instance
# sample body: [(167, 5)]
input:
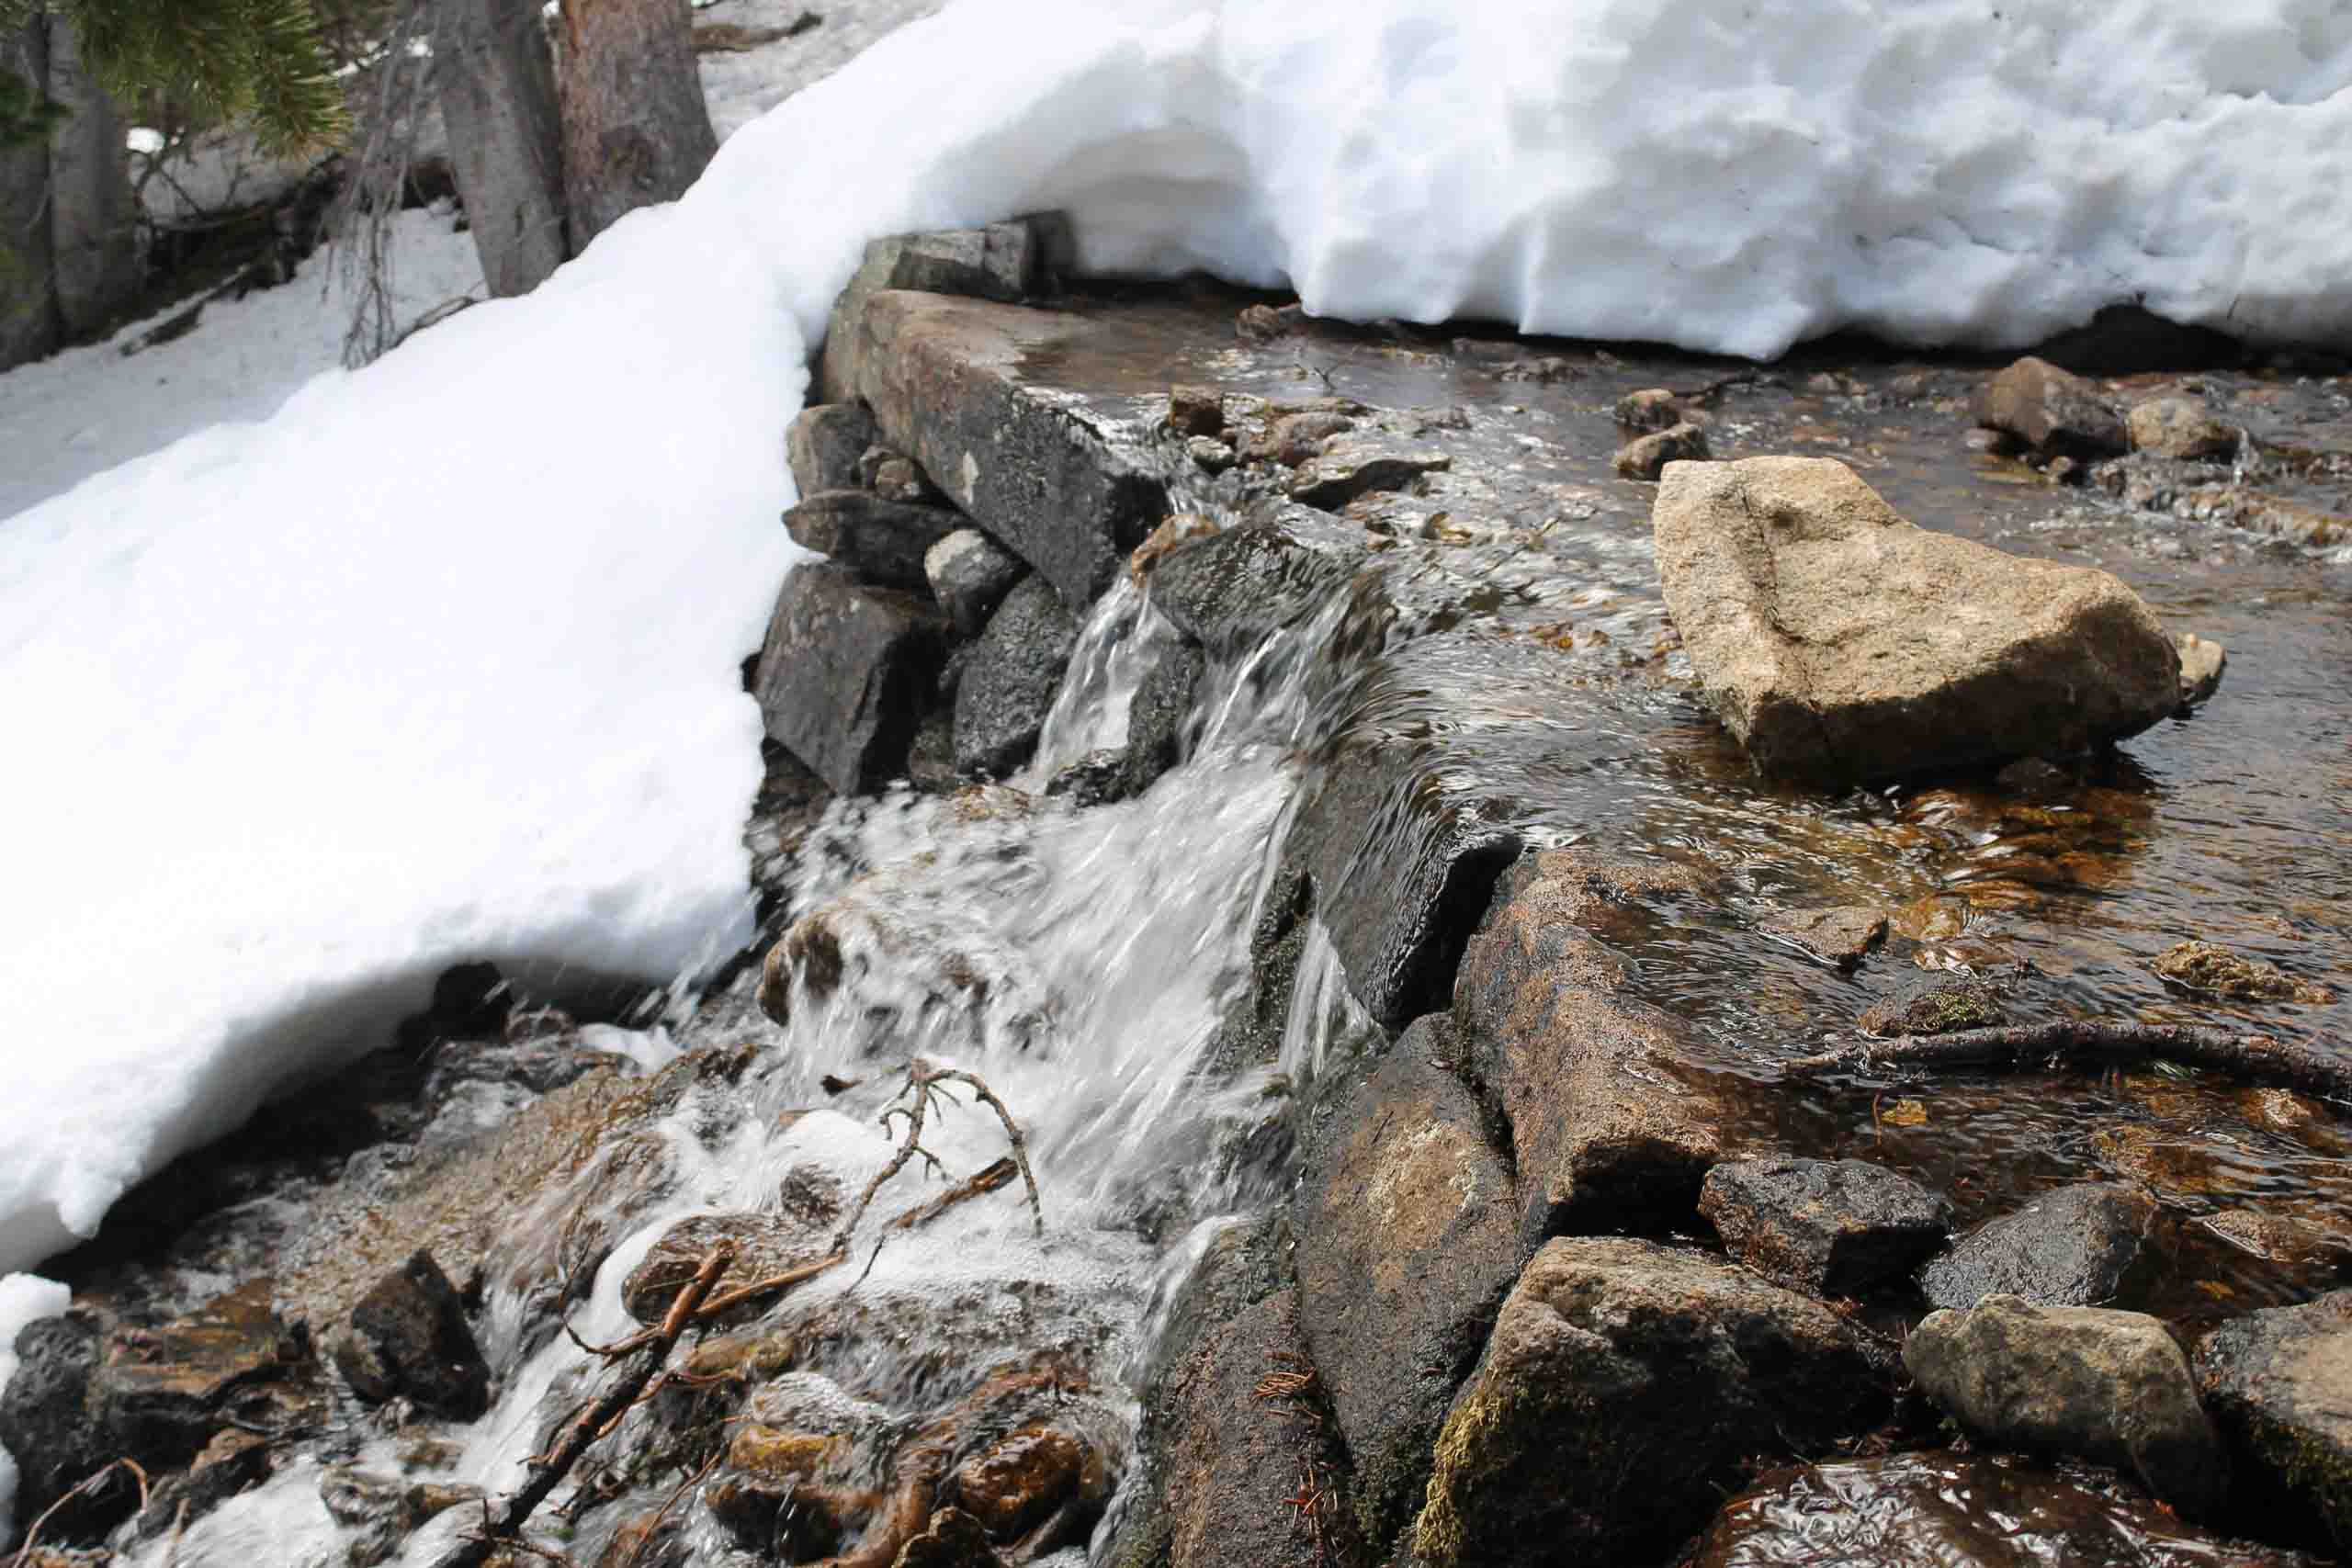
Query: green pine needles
[(256, 61)]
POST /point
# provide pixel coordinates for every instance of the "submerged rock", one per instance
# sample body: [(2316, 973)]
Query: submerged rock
[(2210, 971), (1009, 680), (845, 674), (1913, 1510), (2278, 1383), (1837, 1227), (2107, 1386), (2052, 410), (1624, 1384), (1408, 1242), (1843, 936), (1837, 642), (2090, 1245), (1936, 1006)]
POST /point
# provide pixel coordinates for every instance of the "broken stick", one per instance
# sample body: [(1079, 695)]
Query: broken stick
[(2260, 1058)]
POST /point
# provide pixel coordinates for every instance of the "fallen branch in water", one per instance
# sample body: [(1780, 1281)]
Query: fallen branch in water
[(2257, 1057), (547, 1471), (924, 1084)]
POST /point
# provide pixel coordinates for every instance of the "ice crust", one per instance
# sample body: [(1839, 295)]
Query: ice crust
[(440, 662)]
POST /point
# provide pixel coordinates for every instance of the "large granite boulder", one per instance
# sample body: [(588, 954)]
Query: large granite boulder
[(2090, 1245), (845, 674), (2278, 1383), (2109, 1386), (1407, 1245), (1625, 1387), (1839, 642), (1009, 679)]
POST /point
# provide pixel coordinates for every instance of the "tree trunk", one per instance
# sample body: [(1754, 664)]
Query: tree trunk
[(69, 236), (635, 128), (497, 92)]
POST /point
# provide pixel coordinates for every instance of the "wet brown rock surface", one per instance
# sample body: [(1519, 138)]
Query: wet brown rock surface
[(1835, 1227), (2278, 1383)]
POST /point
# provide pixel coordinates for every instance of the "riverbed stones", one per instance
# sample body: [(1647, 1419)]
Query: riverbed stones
[(1346, 470), (2053, 412), (766, 1245), (970, 575), (2202, 662), (2278, 1383), (845, 674), (408, 1337), (1987, 1510), (2088, 1244), (2210, 971), (1652, 407), (1835, 1227), (1624, 1384), (880, 541), (1646, 456), (945, 379), (2180, 428), (1009, 680), (823, 444), (2109, 1386), (1839, 642), (1843, 936), (1196, 411), (1613, 1124), (1942, 1005), (1408, 1242)]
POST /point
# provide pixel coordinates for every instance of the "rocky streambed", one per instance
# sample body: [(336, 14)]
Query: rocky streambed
[(1453, 916)]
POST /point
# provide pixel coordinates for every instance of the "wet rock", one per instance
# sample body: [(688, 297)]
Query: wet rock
[(1000, 262), (1157, 715), (1613, 1126), (1008, 684), (2202, 661), (823, 444), (2281, 1238), (408, 1337), (765, 1245), (49, 1422), (381, 1511), (2180, 428), (1211, 456), (1625, 1383), (952, 1539), (161, 1394), (2090, 1245), (1195, 411), (1231, 1456), (894, 476), (1042, 475), (1935, 1007), (1645, 457), (2108, 1386), (880, 541), (2279, 1385), (843, 675), (1843, 936), (2210, 971), (1345, 471), (233, 1461), (1837, 642), (2052, 410), (1294, 439), (1986, 1510), (1837, 1227), (1228, 589), (1653, 408), (1407, 1244), (2032, 778), (970, 575), (1264, 323)]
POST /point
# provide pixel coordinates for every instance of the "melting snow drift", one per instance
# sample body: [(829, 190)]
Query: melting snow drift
[(439, 662)]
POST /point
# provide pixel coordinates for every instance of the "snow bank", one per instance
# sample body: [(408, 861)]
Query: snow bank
[(441, 662)]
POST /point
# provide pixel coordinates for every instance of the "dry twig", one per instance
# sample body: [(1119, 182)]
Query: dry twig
[(88, 1484)]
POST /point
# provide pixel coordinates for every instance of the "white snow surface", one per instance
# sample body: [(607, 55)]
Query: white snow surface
[(439, 662)]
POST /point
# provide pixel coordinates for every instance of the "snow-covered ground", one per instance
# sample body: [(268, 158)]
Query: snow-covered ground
[(439, 662)]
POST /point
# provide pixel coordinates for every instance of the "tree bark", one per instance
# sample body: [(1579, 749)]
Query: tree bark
[(496, 82), (636, 130), (69, 235), (29, 323)]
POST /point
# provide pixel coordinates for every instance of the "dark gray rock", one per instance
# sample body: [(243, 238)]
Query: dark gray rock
[(1646, 456), (1625, 1384), (845, 674), (50, 1426), (945, 380), (408, 1337), (894, 476), (1229, 589), (1837, 1227), (2052, 410), (1940, 1508), (1157, 715), (883, 541), (823, 444), (2278, 1383), (970, 575), (2090, 1245), (1346, 470), (1843, 936), (2108, 1386), (1408, 1242), (1008, 684)]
